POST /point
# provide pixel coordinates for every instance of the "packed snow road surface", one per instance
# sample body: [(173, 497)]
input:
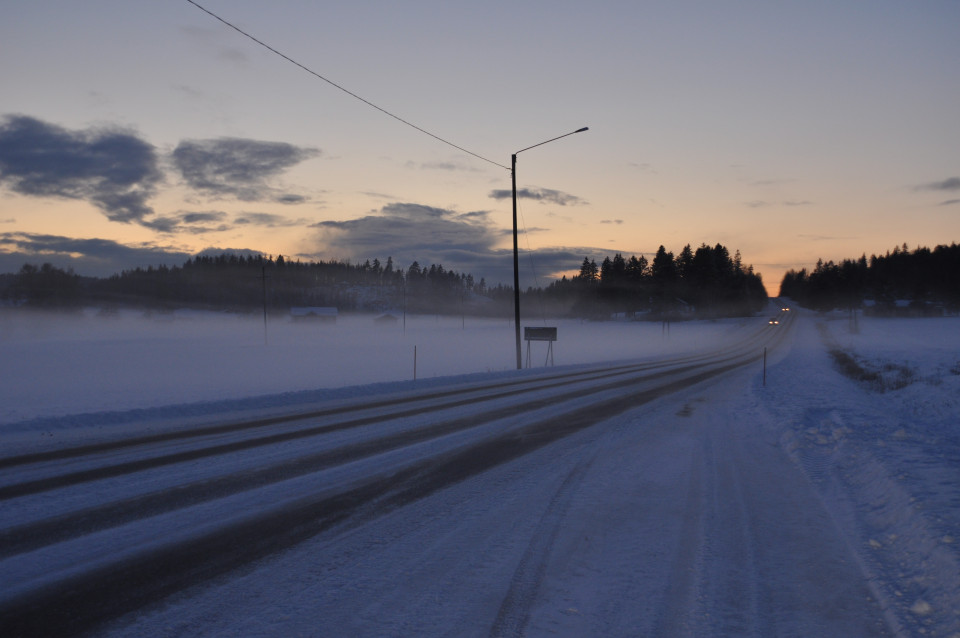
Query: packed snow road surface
[(647, 498), (105, 528)]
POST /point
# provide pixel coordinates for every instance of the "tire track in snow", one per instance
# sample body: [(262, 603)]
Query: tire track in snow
[(234, 427), (58, 528), (25, 488), (81, 602), (678, 595), (514, 612), (736, 578)]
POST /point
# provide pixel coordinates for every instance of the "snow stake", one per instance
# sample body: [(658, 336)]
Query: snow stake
[(764, 366)]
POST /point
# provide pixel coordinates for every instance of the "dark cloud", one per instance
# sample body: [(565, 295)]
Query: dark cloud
[(199, 218), (191, 222), (92, 257), (197, 223), (411, 228), (118, 172), (549, 263), (114, 170), (266, 219), (546, 195), (163, 224), (537, 267), (414, 232), (949, 184), (611, 221), (377, 195), (950, 202), (466, 242), (290, 198), (240, 168)]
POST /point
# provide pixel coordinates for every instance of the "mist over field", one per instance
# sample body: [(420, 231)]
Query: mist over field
[(91, 362)]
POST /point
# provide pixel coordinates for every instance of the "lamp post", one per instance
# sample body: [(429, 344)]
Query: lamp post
[(516, 254)]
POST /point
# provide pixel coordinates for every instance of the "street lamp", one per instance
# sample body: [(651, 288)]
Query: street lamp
[(516, 254)]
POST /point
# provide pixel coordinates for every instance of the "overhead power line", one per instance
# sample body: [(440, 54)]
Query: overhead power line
[(335, 85)]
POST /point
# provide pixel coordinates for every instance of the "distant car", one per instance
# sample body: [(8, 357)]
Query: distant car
[(774, 322), (785, 309)]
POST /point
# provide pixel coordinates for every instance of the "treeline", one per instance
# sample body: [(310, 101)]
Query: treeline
[(237, 282), (246, 283), (925, 281), (704, 283), (45, 287), (707, 282)]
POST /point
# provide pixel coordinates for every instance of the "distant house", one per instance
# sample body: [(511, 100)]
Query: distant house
[(314, 313), (386, 319)]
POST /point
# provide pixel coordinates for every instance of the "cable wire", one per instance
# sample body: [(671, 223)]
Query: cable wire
[(335, 85)]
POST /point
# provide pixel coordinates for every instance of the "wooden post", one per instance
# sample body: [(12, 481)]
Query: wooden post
[(764, 366), (263, 276)]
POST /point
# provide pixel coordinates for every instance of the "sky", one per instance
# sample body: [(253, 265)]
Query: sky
[(135, 134)]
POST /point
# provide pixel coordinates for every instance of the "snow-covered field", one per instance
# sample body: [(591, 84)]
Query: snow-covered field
[(883, 453), (813, 504), (58, 365)]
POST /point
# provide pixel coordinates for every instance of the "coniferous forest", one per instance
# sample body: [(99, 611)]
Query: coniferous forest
[(707, 282), (901, 282), (247, 283)]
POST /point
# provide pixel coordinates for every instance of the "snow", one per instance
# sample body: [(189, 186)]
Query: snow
[(812, 504), (64, 366)]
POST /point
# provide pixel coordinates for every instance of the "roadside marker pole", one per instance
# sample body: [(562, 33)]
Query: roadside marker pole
[(764, 366)]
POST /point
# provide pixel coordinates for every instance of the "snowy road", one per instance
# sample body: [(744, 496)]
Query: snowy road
[(651, 498)]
